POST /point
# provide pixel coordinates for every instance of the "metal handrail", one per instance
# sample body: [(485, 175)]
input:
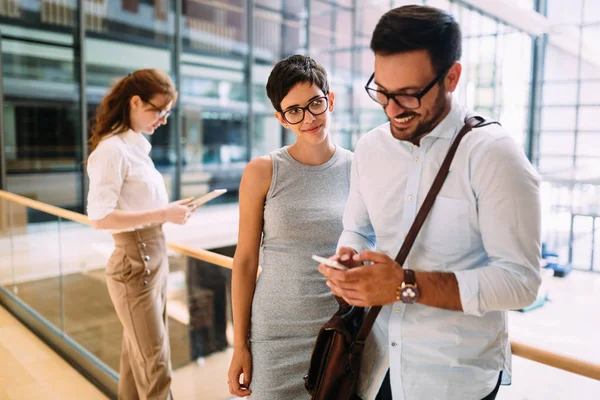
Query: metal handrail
[(555, 360)]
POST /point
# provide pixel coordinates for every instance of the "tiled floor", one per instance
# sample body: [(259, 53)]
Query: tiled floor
[(30, 370)]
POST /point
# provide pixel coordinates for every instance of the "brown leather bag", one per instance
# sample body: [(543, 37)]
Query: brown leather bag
[(335, 361)]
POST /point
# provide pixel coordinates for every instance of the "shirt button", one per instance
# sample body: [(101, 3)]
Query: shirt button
[(410, 198), (417, 160), (393, 344), (398, 310)]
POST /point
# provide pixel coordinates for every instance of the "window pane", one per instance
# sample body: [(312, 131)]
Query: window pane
[(488, 26), (556, 143), (592, 11), (591, 50), (564, 12), (442, 4), (588, 144), (559, 93), (560, 65), (590, 70), (268, 33), (42, 122), (590, 93), (558, 118), (588, 118), (215, 27), (267, 134), (320, 26), (274, 4), (555, 166)]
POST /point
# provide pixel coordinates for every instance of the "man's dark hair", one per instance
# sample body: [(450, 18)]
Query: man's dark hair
[(290, 71), (409, 28)]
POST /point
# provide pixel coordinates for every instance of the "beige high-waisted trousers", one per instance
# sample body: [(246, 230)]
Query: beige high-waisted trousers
[(137, 283)]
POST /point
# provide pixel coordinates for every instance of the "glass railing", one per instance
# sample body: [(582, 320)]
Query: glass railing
[(54, 267), (572, 221), (52, 272)]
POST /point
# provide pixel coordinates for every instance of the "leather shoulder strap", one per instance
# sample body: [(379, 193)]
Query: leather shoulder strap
[(474, 121)]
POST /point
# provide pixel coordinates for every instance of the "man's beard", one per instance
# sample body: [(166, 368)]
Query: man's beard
[(423, 127)]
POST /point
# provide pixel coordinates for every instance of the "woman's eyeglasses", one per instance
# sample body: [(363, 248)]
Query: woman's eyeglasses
[(316, 107), (160, 112)]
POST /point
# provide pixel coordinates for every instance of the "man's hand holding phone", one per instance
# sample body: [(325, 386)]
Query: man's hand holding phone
[(341, 261), (344, 256)]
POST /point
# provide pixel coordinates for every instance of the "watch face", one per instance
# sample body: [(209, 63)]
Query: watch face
[(409, 294)]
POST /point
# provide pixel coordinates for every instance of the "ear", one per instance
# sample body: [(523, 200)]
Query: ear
[(135, 102), (331, 97), (282, 121), (453, 76)]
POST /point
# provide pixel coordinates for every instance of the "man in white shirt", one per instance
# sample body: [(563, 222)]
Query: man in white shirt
[(478, 253)]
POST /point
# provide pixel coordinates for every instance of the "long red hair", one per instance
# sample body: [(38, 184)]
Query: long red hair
[(113, 115)]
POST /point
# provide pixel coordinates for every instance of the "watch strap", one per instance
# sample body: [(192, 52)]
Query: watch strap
[(409, 277)]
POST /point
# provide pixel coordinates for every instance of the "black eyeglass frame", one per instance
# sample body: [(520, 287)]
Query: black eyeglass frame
[(304, 109), (161, 113), (392, 96)]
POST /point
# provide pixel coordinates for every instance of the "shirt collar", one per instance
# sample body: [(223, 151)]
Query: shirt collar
[(448, 127), (137, 140)]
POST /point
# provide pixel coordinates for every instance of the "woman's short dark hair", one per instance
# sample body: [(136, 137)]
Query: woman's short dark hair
[(410, 28), (291, 71)]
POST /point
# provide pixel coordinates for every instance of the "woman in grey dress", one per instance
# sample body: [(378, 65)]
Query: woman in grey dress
[(291, 206)]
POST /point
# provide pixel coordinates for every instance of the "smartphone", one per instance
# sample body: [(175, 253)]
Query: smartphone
[(330, 263), (208, 197)]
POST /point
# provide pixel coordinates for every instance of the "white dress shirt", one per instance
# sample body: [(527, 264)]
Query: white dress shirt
[(484, 227), (123, 177)]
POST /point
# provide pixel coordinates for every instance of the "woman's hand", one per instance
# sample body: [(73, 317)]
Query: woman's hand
[(178, 212), (241, 363)]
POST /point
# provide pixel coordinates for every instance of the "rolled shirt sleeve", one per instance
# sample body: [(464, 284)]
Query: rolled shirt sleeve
[(107, 169), (358, 232), (508, 199)]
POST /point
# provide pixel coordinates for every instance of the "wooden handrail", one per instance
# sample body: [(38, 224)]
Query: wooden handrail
[(566, 363), (47, 208), (200, 254), (560, 361), (203, 255)]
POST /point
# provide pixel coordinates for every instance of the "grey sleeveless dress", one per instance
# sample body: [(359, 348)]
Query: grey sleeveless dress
[(302, 216)]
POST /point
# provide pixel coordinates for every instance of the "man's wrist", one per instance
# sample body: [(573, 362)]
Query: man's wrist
[(398, 279)]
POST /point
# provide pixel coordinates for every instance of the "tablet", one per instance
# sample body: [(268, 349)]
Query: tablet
[(208, 197)]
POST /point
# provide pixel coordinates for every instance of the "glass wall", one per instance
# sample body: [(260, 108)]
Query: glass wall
[(214, 102), (222, 53), (568, 135), (121, 37), (41, 112)]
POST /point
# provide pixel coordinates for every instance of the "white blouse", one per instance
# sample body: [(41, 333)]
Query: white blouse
[(123, 177)]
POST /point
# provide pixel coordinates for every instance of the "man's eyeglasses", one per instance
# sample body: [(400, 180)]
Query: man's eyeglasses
[(160, 112), (406, 101), (316, 107)]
